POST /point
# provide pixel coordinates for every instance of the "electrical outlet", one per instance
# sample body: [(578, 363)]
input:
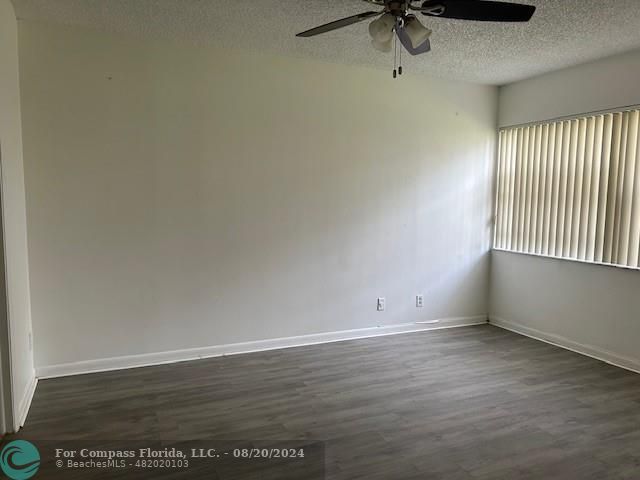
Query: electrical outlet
[(419, 301), (381, 304)]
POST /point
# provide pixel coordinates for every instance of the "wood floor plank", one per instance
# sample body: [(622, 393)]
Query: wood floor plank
[(467, 403)]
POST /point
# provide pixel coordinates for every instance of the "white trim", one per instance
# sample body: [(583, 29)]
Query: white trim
[(25, 402), (147, 359), (559, 341)]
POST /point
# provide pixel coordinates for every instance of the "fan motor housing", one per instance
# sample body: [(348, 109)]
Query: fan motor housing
[(397, 7)]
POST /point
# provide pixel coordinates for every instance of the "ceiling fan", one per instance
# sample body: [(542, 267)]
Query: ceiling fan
[(397, 16)]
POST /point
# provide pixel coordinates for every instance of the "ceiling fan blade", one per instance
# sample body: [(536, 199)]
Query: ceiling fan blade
[(479, 10), (345, 22)]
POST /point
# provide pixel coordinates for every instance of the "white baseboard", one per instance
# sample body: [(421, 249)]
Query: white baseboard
[(148, 359), (25, 403), (560, 341)]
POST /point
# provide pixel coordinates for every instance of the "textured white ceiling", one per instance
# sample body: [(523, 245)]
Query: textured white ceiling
[(561, 33)]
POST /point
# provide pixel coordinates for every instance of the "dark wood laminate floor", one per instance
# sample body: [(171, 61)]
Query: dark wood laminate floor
[(466, 403)]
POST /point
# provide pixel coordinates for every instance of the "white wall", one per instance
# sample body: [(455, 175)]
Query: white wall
[(608, 83), (13, 215), (592, 308), (182, 197)]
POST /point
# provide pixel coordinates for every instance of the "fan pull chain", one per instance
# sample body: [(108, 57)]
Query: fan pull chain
[(400, 61), (395, 56)]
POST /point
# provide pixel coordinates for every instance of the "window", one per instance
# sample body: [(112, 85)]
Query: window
[(571, 189)]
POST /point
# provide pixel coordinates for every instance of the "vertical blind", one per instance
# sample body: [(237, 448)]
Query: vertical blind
[(571, 189)]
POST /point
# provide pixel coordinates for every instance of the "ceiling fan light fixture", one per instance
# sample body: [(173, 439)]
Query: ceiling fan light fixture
[(384, 47), (381, 29), (424, 47), (417, 33)]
